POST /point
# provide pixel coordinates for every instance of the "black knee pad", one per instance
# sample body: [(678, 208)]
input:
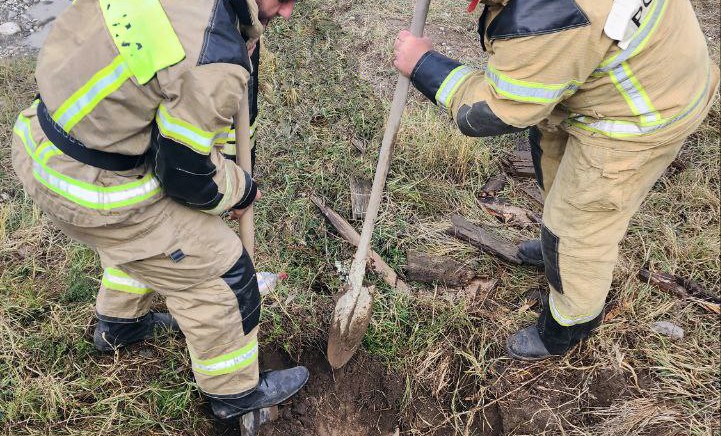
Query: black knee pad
[(242, 280), (534, 140), (549, 246)]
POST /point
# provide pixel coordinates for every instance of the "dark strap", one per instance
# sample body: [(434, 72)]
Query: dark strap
[(78, 151)]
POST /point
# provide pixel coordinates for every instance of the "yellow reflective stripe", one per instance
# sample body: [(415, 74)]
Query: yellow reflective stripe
[(634, 94), (227, 363), (639, 40), (568, 321), (229, 139), (450, 85), (624, 129), (77, 191), (143, 35), (530, 92), (117, 280), (84, 100), (181, 131)]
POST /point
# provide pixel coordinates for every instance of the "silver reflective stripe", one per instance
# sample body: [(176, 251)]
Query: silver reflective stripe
[(228, 363), (568, 321), (450, 85), (615, 128), (639, 40), (634, 95), (119, 73), (529, 91), (94, 197), (83, 193)]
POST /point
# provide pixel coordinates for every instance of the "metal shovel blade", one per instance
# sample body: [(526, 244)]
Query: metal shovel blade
[(351, 318)]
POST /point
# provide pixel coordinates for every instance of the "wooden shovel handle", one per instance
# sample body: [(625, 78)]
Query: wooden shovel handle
[(243, 159), (357, 270)]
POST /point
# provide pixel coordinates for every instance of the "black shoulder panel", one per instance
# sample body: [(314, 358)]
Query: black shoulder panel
[(536, 17), (223, 43)]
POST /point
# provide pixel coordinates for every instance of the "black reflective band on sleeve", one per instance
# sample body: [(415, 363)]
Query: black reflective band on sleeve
[(479, 120), (186, 176), (430, 72), (251, 189)]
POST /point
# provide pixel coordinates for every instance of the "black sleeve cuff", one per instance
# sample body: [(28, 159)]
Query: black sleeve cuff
[(251, 189), (430, 72)]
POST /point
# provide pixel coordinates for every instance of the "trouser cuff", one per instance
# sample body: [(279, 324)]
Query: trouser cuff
[(557, 338)]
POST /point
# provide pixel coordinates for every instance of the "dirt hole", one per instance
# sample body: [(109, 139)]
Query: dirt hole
[(363, 398)]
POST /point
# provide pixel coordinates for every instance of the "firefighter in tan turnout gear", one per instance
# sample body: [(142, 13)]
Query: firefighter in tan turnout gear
[(124, 150), (610, 90)]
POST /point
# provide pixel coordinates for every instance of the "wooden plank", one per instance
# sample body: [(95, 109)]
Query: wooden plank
[(533, 192), (350, 234), (520, 164), (478, 237), (511, 215), (437, 269), (360, 194), (681, 288)]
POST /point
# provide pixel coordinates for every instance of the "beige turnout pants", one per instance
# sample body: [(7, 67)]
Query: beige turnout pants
[(197, 263), (591, 194)]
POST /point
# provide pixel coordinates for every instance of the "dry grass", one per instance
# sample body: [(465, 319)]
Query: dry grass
[(326, 88)]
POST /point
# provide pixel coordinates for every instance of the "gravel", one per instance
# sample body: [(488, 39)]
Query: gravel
[(24, 24)]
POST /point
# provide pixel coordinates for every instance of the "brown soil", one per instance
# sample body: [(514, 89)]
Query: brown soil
[(363, 398)]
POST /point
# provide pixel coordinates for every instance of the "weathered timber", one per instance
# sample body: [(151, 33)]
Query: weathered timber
[(360, 194), (679, 286), (520, 164), (350, 234), (494, 185), (436, 269), (512, 215), (533, 192), (480, 238)]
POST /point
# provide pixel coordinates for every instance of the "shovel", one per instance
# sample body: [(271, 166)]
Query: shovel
[(353, 311), (250, 422)]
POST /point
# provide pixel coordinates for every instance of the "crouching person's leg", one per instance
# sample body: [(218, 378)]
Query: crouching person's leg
[(220, 321), (123, 311)]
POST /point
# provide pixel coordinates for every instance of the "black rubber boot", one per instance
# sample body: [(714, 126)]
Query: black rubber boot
[(548, 338), (273, 388), (110, 335), (530, 253)]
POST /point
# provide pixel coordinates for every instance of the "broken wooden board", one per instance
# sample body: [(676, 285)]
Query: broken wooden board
[(533, 192), (511, 215), (437, 269), (480, 238), (520, 164), (493, 186), (350, 234), (681, 287), (479, 287), (360, 194)]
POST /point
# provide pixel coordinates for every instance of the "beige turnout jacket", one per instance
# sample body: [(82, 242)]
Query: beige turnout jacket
[(156, 79)]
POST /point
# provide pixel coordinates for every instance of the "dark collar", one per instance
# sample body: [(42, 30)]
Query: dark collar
[(536, 17)]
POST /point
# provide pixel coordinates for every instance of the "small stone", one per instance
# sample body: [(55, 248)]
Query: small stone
[(666, 328), (10, 28)]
